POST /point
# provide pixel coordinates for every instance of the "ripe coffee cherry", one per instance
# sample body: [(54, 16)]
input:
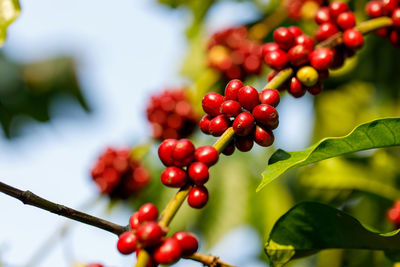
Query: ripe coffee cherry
[(232, 89), (206, 154), (346, 20), (244, 143), (231, 108), (198, 173), (336, 8), (322, 15), (306, 41), (277, 59), (198, 197), (394, 37), (147, 212), (263, 137), (248, 97), (266, 48), (168, 252), (183, 152), (165, 151), (321, 58), (374, 9), (174, 177), (315, 89), (396, 17), (353, 38), (296, 88), (270, 97), (388, 6), (150, 234), (134, 222), (393, 214), (325, 31), (284, 38), (298, 55), (266, 115), (307, 75), (218, 125), (243, 124), (211, 103), (205, 124), (229, 149), (296, 31), (187, 241), (127, 243)]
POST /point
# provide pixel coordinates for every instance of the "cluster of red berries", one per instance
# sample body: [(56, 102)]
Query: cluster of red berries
[(234, 54), (390, 8), (251, 114), (147, 233), (171, 115), (186, 164), (296, 9), (393, 213), (118, 175)]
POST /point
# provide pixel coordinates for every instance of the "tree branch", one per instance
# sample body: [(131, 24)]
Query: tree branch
[(209, 260)]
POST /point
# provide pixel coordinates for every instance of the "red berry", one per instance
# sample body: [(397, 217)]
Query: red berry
[(382, 32), (198, 173), (147, 212), (187, 241), (168, 252), (218, 125), (396, 17), (321, 58), (165, 151), (244, 143), (229, 149), (248, 97), (277, 59), (284, 38), (374, 9), (174, 177), (211, 103), (322, 15), (336, 8), (394, 37), (353, 38), (346, 20), (325, 31), (270, 97), (388, 6), (198, 197), (298, 55), (183, 152), (306, 41), (243, 124), (231, 108), (263, 137), (150, 234), (126, 243), (315, 89), (266, 115), (232, 89), (296, 31), (266, 48), (393, 214), (296, 88), (206, 154), (323, 74), (271, 75), (134, 220), (338, 57), (205, 124)]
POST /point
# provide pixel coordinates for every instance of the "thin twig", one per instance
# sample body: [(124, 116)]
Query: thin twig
[(209, 260)]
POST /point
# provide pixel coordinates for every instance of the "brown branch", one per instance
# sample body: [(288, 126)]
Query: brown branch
[(29, 198), (209, 260)]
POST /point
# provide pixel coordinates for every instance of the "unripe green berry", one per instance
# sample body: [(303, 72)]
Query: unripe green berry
[(307, 75)]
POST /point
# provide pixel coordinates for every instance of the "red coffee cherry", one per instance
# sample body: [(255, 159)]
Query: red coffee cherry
[(306, 41), (168, 252), (284, 38), (219, 125), (263, 137), (374, 9), (394, 37), (388, 6), (277, 59), (322, 15), (248, 97), (353, 38), (315, 89), (150, 234), (211, 103), (187, 241), (173, 177), (296, 31), (198, 197), (165, 151), (198, 173), (271, 75), (346, 20), (396, 17), (229, 149), (325, 31), (296, 88), (321, 58), (205, 124), (147, 212), (243, 124), (231, 108), (206, 154), (183, 152), (268, 47), (336, 8), (126, 243), (244, 143), (134, 222), (232, 89), (266, 115), (393, 214), (270, 97), (298, 55)]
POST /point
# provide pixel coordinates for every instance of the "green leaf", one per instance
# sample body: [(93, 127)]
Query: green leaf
[(375, 134), (309, 227), (9, 11)]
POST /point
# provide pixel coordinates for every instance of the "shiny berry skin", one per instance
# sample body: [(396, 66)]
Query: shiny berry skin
[(173, 177), (244, 143), (296, 89), (296, 31), (165, 151), (306, 41), (248, 97), (206, 154), (315, 89), (150, 234), (147, 212), (307, 75), (284, 38), (168, 252), (321, 58), (388, 6), (205, 124), (229, 149), (322, 15), (266, 48), (211, 103), (232, 89), (263, 137), (218, 125), (298, 55), (325, 31), (187, 241), (396, 17), (198, 173), (277, 59), (231, 108), (134, 222), (353, 38), (270, 97), (127, 243), (346, 20), (336, 8), (198, 197), (374, 9), (183, 152), (243, 124), (266, 115)]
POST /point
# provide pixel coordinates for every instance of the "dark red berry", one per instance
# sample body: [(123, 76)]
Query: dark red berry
[(231, 108), (396, 17), (325, 31), (393, 214), (205, 124), (315, 89), (284, 38), (338, 57), (296, 88), (321, 58), (211, 103), (183, 152), (388, 6), (323, 74), (269, 97), (271, 75), (206, 154), (322, 15), (394, 37), (150, 234), (263, 137), (168, 252), (243, 124), (218, 125), (165, 151), (353, 38), (174, 177), (336, 8), (244, 143), (277, 59), (198, 197), (298, 55), (232, 89), (266, 48), (296, 31), (134, 222), (147, 212), (198, 173), (229, 149), (306, 41), (346, 20), (374, 9), (266, 115), (248, 97), (187, 241), (127, 243), (382, 32)]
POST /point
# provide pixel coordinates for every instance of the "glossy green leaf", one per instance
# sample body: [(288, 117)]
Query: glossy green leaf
[(375, 134), (310, 227), (9, 11)]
